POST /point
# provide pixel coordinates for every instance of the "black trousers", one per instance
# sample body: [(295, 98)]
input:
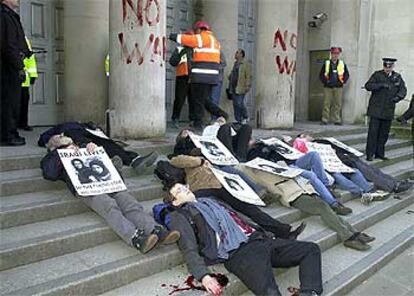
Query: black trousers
[(182, 91), (238, 144), (10, 103), (378, 132), (254, 261), (375, 175), (24, 107), (200, 94), (279, 229)]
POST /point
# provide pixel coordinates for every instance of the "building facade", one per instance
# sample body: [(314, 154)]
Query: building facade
[(286, 53)]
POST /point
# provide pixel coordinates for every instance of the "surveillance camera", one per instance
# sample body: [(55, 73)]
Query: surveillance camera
[(320, 16)]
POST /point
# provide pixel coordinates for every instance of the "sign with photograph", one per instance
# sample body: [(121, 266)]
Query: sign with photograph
[(330, 160), (273, 168), (237, 187), (344, 146), (91, 173), (214, 150), (282, 148)]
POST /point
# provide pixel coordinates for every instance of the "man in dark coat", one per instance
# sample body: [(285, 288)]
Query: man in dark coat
[(387, 88), (13, 50)]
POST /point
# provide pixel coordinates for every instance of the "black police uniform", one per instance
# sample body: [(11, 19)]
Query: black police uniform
[(13, 50), (387, 90)]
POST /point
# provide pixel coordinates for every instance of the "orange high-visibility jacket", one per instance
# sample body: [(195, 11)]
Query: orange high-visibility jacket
[(205, 61), (182, 67)]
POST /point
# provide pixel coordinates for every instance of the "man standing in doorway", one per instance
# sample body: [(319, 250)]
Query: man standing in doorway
[(204, 69), (30, 68), (334, 74), (387, 88), (13, 51), (240, 83)]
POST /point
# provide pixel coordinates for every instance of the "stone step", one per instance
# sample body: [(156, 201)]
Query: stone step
[(114, 264), (395, 156), (402, 170), (393, 223), (391, 144)]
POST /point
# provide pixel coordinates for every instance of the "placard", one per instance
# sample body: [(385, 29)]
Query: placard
[(282, 148), (237, 187), (344, 146), (91, 173), (273, 168), (330, 160), (214, 150)]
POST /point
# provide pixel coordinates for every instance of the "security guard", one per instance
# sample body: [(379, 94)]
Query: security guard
[(30, 68), (387, 88), (333, 75), (204, 69)]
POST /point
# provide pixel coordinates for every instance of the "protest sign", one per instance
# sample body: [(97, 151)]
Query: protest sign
[(214, 150), (237, 187), (273, 168), (282, 148), (344, 146), (91, 173), (330, 160)]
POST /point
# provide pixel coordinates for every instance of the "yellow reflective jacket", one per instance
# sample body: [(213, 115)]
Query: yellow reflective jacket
[(340, 68), (30, 66), (107, 65)]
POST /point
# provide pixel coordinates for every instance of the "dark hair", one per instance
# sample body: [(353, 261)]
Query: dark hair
[(76, 159), (169, 198), (242, 52)]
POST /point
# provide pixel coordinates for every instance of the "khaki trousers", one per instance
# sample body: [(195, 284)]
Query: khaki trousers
[(332, 104)]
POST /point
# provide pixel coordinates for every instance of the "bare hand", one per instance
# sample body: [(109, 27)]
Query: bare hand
[(91, 147), (211, 285)]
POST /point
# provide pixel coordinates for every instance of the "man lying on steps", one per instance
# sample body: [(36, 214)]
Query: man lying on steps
[(120, 210), (213, 233)]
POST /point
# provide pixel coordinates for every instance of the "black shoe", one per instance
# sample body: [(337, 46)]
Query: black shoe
[(18, 141), (402, 186), (355, 243), (370, 158), (295, 233), (365, 237), (142, 242), (324, 123), (382, 157), (27, 128), (141, 162), (165, 237), (338, 123), (340, 209)]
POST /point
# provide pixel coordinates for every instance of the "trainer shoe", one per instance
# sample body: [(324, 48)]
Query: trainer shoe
[(403, 186), (366, 198), (355, 243), (340, 209), (295, 233), (142, 242), (141, 162), (365, 237), (165, 237)]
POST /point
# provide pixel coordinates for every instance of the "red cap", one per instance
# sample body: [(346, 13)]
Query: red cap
[(336, 49), (201, 25)]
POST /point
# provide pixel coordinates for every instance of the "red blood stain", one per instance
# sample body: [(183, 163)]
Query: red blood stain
[(190, 284), (290, 68)]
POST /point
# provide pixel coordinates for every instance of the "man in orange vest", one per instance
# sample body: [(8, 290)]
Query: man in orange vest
[(180, 59), (334, 74), (204, 71)]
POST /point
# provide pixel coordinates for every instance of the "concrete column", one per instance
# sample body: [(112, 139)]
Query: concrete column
[(223, 17), (137, 80), (86, 43), (276, 62)]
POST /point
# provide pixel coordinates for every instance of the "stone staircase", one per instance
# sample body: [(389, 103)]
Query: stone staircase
[(51, 244)]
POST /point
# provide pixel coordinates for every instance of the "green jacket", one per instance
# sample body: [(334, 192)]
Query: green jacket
[(244, 82)]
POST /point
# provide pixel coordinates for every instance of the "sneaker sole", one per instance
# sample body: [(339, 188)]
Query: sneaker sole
[(150, 243), (171, 238)]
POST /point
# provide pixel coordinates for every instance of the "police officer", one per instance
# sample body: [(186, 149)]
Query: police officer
[(387, 88), (13, 50)]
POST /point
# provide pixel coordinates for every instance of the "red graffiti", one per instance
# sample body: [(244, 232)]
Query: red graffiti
[(138, 54), (282, 39), (138, 11), (285, 66)]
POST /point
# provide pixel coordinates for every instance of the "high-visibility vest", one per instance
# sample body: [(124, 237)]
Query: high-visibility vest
[(107, 65), (182, 67), (340, 68), (205, 62), (30, 66)]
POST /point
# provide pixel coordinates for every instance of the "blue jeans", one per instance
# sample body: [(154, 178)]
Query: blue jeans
[(319, 187), (353, 182), (232, 170), (215, 95), (311, 161), (240, 110)]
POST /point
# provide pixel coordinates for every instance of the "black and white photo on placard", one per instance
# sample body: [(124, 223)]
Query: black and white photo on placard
[(273, 168)]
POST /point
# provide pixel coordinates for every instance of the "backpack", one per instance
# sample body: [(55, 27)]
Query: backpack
[(169, 174)]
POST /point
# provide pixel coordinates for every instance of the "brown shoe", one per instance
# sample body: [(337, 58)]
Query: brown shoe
[(355, 243), (365, 237), (166, 237)]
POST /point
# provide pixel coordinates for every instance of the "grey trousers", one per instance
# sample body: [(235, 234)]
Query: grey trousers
[(315, 206), (122, 212)]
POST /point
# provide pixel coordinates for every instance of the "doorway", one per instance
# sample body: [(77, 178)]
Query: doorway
[(317, 59)]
